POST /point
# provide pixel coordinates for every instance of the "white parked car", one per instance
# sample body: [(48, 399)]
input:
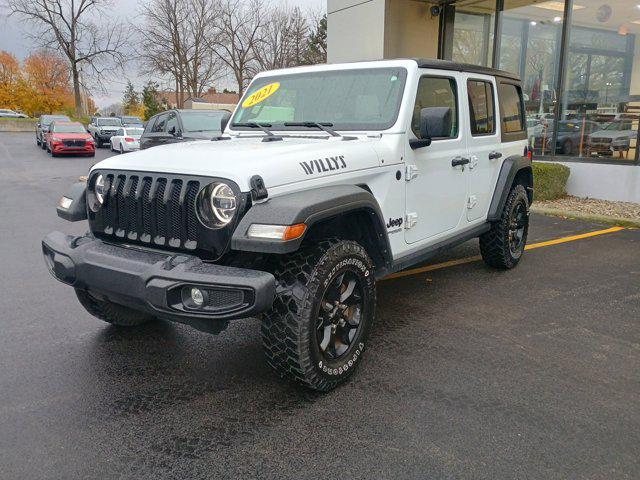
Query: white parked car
[(126, 139), (6, 113), (326, 179)]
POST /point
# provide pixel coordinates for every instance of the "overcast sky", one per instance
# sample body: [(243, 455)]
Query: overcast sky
[(12, 39)]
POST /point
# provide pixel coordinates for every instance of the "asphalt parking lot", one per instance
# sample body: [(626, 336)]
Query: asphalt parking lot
[(470, 374)]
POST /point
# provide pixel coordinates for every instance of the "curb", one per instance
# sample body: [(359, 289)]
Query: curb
[(556, 212)]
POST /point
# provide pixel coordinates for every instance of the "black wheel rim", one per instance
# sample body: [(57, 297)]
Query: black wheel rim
[(340, 315), (517, 227)]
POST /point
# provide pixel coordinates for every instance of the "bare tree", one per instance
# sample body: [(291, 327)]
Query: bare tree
[(282, 40), (90, 49), (239, 25), (177, 38)]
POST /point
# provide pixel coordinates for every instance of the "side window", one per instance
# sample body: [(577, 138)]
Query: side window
[(158, 126), (436, 92), (172, 123), (481, 107), (120, 133), (511, 104), (150, 124)]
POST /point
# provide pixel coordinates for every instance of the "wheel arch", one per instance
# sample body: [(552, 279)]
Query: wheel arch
[(348, 212), (516, 170)]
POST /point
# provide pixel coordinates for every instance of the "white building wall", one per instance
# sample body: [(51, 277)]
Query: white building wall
[(355, 30), (606, 182)]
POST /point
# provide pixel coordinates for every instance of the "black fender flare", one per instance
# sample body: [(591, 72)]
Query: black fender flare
[(309, 207), (511, 168), (78, 209)]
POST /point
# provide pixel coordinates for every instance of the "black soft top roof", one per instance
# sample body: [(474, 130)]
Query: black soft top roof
[(463, 67)]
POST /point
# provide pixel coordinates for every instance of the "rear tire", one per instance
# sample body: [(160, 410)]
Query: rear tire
[(317, 329), (503, 245), (112, 312)]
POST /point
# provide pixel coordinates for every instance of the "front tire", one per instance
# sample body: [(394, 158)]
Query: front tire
[(503, 245), (112, 312), (317, 329)]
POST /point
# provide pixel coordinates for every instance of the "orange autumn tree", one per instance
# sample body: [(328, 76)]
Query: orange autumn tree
[(47, 78), (10, 80)]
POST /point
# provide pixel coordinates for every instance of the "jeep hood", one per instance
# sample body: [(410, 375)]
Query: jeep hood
[(293, 159)]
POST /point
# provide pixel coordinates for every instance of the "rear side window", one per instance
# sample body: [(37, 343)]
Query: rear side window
[(481, 107), (436, 92), (511, 104), (161, 121)]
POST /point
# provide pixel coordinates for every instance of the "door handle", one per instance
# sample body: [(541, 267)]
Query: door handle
[(495, 155), (458, 161)]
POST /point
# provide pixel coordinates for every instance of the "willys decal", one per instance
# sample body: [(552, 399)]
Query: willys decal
[(324, 165)]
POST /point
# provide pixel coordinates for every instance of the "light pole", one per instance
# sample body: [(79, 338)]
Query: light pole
[(606, 92)]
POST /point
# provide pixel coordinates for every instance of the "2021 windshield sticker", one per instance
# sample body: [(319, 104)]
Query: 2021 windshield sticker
[(261, 94), (324, 165)]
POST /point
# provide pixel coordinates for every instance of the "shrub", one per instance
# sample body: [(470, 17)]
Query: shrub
[(550, 180)]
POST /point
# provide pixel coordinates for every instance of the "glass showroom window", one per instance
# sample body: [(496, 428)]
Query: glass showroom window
[(530, 44), (473, 32), (600, 104)]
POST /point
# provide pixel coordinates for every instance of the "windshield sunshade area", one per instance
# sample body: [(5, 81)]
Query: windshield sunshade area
[(69, 128), (357, 99), (110, 122), (202, 121)]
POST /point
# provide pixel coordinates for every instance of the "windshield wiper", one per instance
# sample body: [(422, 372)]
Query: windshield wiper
[(262, 126), (322, 126)]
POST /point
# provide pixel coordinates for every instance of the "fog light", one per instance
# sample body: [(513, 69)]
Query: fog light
[(197, 297), (65, 202)]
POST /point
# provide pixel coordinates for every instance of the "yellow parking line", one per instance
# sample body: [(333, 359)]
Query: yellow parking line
[(462, 261)]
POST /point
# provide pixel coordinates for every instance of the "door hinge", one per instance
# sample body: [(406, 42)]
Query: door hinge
[(411, 172), (472, 201), (473, 163), (412, 219)]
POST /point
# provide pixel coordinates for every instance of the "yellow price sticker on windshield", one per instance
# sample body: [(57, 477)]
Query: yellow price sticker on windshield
[(261, 95)]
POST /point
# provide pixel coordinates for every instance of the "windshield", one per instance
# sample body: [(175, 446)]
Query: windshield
[(131, 120), (112, 122), (617, 126), (135, 132), (202, 121), (47, 119), (68, 128), (358, 99)]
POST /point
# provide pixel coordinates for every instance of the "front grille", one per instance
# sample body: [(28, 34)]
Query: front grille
[(600, 140), (150, 209), (73, 143)]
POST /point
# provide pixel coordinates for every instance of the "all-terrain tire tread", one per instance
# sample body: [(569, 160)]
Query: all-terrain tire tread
[(283, 331), (494, 244)]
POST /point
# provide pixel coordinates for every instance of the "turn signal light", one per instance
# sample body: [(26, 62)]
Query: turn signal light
[(294, 231), (277, 232)]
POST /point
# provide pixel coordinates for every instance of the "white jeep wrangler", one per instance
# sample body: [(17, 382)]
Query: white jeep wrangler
[(326, 179)]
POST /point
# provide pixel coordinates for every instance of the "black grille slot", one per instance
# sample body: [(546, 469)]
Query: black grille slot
[(190, 205), (223, 298), (150, 209), (161, 211)]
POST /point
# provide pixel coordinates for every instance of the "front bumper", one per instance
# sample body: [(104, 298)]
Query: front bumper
[(105, 136), (155, 282), (89, 148)]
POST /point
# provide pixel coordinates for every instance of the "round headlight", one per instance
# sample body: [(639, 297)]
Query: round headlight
[(217, 205), (99, 189)]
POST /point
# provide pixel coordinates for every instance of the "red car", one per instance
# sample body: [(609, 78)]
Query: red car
[(69, 138)]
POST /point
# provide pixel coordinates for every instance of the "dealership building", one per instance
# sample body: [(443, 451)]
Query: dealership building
[(579, 61)]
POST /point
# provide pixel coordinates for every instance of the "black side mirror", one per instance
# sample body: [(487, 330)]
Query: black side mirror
[(435, 122), (175, 131), (224, 121)]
